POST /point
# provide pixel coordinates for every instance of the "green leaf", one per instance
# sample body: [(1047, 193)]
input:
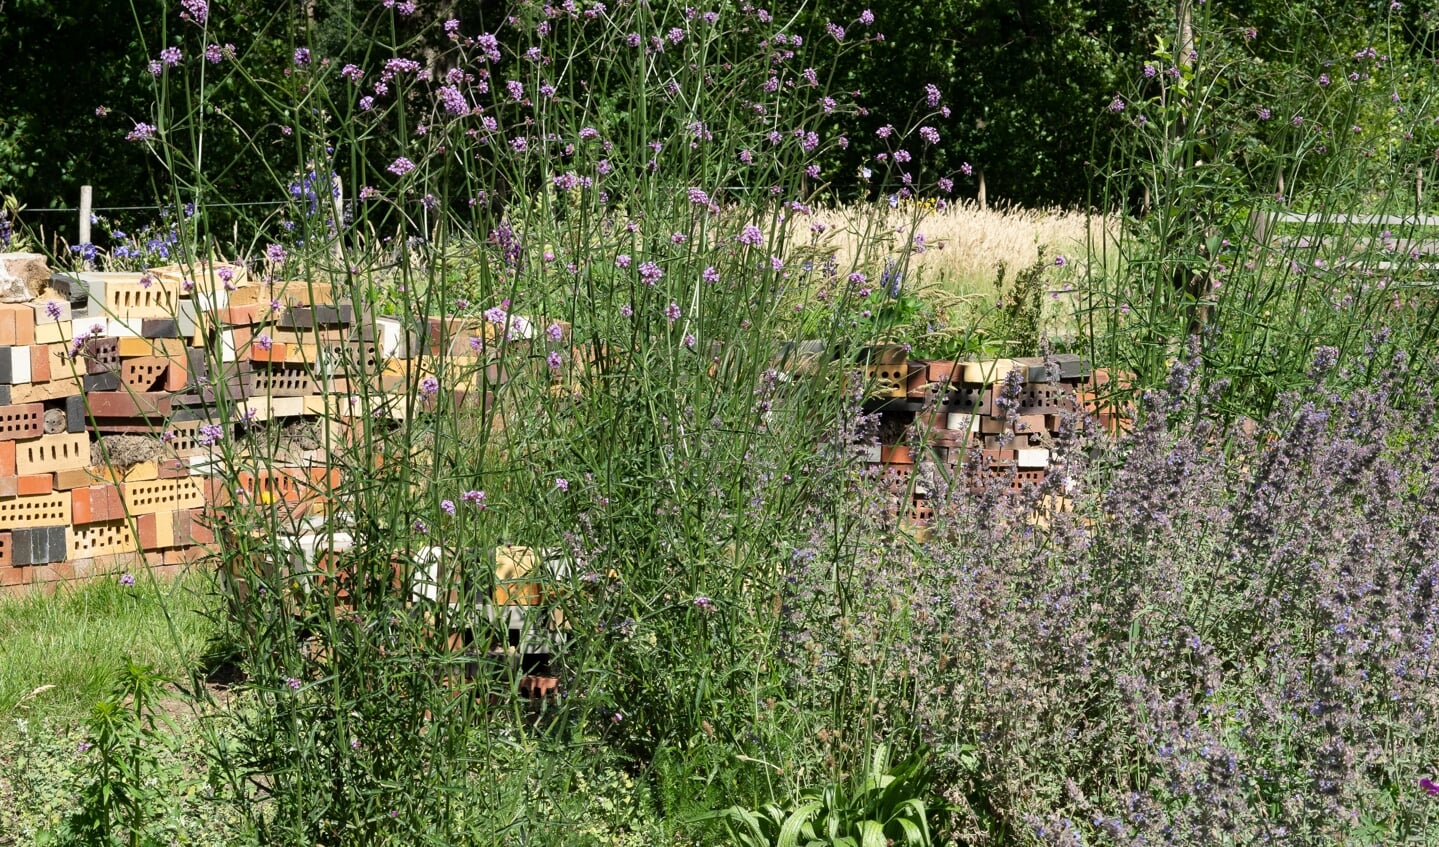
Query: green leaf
[(871, 834), (795, 823)]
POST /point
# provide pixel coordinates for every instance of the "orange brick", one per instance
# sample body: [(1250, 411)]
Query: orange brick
[(243, 315), (7, 458), (17, 325), (176, 376), (35, 484), (144, 373), (275, 355), (81, 511), (24, 324), (39, 363)]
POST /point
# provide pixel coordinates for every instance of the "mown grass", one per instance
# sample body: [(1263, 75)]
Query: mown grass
[(58, 652)]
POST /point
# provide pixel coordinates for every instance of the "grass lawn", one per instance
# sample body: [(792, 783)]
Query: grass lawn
[(58, 653)]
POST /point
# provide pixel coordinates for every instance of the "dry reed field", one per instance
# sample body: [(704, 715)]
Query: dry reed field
[(963, 244)]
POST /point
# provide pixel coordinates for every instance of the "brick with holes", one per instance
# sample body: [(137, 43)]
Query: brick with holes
[(50, 453), (146, 373), (41, 510), (22, 421)]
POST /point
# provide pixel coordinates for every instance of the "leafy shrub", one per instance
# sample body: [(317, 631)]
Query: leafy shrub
[(886, 805)]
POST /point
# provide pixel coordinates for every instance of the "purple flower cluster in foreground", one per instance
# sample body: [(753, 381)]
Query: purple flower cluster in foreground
[(1167, 639)]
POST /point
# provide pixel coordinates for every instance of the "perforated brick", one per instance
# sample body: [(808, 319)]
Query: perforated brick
[(144, 498), (886, 380), (146, 373), (284, 382), (50, 453), (101, 539), (135, 300), (183, 438), (102, 355), (41, 510), (25, 421)]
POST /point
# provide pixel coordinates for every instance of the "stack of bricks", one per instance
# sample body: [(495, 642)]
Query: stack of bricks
[(959, 411), (177, 367)]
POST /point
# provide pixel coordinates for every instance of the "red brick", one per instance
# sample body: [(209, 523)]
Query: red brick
[(7, 458), (105, 502), (25, 420), (202, 530), (123, 404), (113, 500), (7, 550), (39, 363), (35, 484), (177, 376), (275, 355), (57, 572), (81, 510), (145, 532), (217, 493), (172, 469), (84, 568)]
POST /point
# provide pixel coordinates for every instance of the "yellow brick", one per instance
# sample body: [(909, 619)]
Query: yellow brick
[(53, 332), (107, 538), (992, 370), (50, 453), (38, 510), (171, 348), (142, 472), (145, 498), (164, 529)]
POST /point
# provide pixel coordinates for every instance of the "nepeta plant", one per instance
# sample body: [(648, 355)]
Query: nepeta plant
[(1187, 635)]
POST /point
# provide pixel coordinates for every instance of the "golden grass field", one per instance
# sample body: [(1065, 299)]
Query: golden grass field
[(964, 244), (963, 248)]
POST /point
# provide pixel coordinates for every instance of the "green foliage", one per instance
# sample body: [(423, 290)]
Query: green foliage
[(884, 805), (126, 788), (1019, 322), (1210, 148)]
